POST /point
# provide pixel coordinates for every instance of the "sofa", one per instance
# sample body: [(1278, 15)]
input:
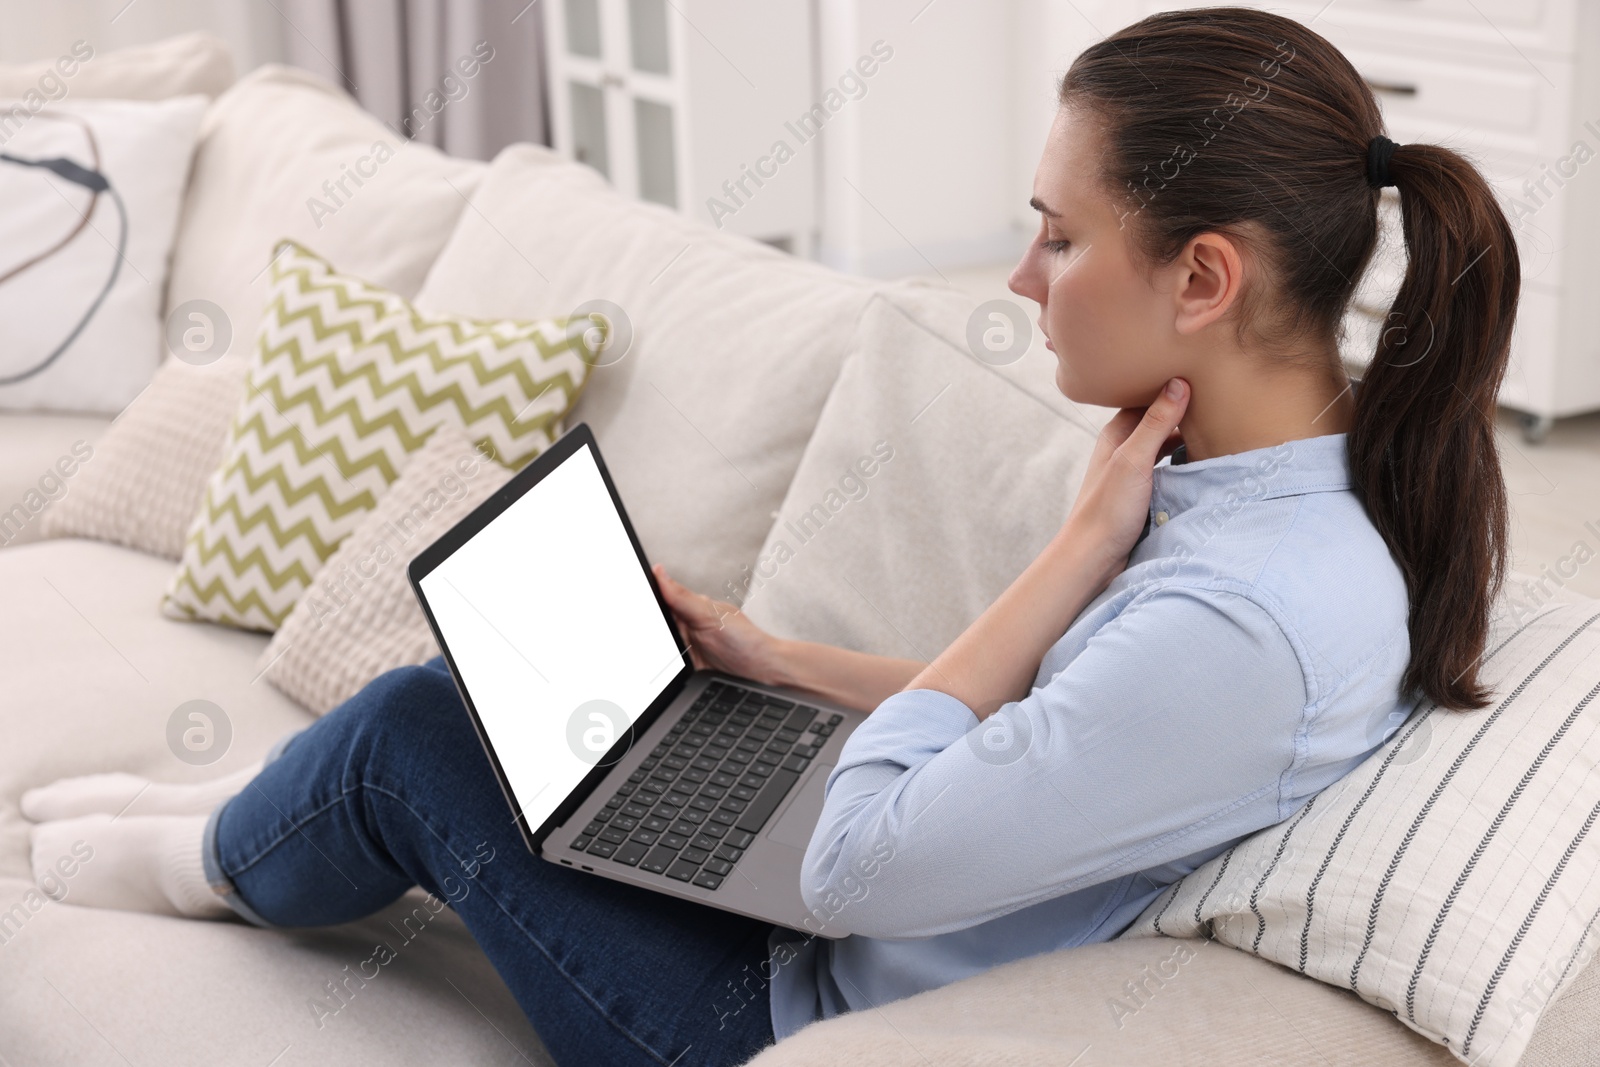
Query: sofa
[(751, 382)]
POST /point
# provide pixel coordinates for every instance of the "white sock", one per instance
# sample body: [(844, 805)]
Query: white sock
[(134, 863), (128, 794)]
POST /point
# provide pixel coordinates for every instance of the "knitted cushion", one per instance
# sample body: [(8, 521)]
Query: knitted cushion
[(151, 467), (359, 618)]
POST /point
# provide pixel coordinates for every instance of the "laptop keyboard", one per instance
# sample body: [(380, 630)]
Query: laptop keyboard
[(697, 802)]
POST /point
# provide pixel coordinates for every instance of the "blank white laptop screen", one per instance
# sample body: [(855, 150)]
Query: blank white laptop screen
[(545, 609)]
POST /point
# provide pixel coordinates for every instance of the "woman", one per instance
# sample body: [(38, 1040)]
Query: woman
[(1195, 654)]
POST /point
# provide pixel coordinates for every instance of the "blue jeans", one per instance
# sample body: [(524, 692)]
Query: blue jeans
[(392, 790)]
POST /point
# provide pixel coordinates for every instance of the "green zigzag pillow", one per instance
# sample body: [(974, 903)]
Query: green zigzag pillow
[(348, 380)]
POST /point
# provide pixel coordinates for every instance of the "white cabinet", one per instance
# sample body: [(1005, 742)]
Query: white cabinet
[(681, 101), (1517, 104)]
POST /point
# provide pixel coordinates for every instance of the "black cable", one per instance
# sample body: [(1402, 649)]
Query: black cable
[(76, 173), (97, 183)]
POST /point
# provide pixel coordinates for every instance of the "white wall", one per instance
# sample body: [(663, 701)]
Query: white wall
[(752, 77), (916, 174), (1047, 36), (30, 29), (941, 152)]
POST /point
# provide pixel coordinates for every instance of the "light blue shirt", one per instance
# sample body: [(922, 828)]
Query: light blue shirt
[(1248, 657)]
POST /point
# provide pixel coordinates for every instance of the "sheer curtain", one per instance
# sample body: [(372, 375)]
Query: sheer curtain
[(464, 75)]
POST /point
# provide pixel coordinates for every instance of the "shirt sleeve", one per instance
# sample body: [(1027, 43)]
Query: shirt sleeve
[(1169, 733)]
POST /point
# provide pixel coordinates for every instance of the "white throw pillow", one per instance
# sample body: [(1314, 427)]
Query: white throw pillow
[(359, 618), (96, 298), (1454, 877)]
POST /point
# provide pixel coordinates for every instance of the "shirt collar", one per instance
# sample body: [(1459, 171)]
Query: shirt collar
[(1309, 465)]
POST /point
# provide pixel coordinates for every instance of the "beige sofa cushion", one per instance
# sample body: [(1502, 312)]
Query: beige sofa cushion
[(176, 66), (1569, 1029), (734, 349), (91, 986), (93, 671), (92, 674), (267, 148), (982, 474), (1453, 878), (1139, 1003)]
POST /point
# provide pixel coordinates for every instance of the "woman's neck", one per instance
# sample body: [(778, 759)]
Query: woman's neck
[(1238, 406)]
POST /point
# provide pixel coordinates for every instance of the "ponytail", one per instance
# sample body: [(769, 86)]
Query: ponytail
[(1422, 449)]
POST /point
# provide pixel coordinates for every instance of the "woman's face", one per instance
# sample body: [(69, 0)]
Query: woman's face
[(1111, 329)]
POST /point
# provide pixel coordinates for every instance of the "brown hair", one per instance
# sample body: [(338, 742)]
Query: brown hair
[(1237, 121)]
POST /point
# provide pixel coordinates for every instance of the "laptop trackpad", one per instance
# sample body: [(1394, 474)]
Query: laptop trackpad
[(794, 827)]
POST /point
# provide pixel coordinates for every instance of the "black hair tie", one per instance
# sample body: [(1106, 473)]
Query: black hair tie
[(1379, 149)]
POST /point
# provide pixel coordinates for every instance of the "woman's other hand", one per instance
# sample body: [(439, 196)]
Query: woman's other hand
[(1114, 502), (720, 636)]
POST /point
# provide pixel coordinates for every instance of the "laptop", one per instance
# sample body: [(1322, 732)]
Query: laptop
[(616, 756)]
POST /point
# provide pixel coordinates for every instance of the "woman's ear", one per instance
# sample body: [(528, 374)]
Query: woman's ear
[(1209, 278)]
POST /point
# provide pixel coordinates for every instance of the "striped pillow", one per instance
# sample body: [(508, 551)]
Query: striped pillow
[(347, 380), (1454, 877)]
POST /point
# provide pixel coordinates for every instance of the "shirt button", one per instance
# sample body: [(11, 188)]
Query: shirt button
[(1161, 518)]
